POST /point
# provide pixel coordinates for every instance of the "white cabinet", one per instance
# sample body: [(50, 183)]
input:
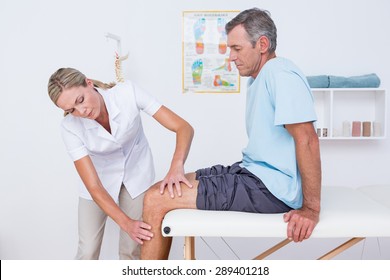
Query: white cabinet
[(339, 110)]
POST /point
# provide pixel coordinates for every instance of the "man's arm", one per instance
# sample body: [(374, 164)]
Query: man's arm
[(302, 222)]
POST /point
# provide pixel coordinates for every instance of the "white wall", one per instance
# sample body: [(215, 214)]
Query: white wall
[(38, 195)]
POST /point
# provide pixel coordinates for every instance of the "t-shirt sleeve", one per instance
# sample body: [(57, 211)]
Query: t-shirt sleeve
[(146, 102), (293, 99), (73, 144)]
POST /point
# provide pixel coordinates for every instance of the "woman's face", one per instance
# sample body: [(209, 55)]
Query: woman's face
[(84, 102)]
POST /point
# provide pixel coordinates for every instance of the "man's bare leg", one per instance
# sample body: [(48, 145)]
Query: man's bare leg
[(155, 208)]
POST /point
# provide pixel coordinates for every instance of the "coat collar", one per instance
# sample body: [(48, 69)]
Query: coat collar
[(113, 114), (112, 108)]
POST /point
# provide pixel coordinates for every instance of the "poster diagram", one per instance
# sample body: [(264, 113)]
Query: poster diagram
[(206, 64)]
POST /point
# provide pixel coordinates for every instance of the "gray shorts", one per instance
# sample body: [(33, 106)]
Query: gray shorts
[(233, 188)]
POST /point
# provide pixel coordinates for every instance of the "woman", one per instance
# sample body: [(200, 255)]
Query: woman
[(103, 134)]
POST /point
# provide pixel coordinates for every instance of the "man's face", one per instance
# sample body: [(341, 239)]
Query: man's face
[(246, 57)]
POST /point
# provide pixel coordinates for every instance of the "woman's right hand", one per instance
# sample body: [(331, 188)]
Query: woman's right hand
[(138, 231)]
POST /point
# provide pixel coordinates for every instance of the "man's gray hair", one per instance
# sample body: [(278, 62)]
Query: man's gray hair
[(257, 23)]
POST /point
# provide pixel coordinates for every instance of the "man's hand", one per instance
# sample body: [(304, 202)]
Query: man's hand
[(301, 223)]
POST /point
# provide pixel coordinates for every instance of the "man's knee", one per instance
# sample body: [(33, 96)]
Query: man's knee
[(152, 200), (156, 205)]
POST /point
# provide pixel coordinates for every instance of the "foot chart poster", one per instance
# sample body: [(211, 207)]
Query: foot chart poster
[(206, 64)]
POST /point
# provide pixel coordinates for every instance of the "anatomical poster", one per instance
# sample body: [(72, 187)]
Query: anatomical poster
[(206, 64)]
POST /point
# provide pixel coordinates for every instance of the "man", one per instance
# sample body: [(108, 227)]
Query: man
[(280, 170)]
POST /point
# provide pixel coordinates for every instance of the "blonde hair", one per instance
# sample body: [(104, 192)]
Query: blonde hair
[(65, 78)]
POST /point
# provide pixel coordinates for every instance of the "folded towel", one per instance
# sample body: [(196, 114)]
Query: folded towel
[(321, 81), (363, 81)]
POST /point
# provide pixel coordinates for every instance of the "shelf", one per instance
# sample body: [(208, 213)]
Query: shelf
[(338, 108), (351, 138)]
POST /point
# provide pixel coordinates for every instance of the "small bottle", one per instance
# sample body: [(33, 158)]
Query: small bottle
[(324, 132), (356, 129), (346, 128), (366, 129), (377, 129)]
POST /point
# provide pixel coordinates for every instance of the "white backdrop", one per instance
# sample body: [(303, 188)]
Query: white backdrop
[(38, 194)]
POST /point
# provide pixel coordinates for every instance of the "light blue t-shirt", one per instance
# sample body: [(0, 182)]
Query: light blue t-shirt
[(279, 95)]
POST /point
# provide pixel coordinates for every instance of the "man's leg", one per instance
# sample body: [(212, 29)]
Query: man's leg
[(155, 208)]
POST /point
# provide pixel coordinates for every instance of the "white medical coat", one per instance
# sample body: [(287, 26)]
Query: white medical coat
[(122, 156)]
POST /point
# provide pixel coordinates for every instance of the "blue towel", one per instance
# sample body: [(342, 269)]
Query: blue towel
[(363, 81), (321, 81)]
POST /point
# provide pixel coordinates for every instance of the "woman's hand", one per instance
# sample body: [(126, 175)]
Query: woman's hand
[(138, 231), (173, 180), (184, 133)]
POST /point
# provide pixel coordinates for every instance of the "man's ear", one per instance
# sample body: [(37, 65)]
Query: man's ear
[(263, 44)]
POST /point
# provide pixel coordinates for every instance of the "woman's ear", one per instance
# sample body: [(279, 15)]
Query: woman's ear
[(89, 82)]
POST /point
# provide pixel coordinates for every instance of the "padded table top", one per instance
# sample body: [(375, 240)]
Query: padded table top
[(345, 212)]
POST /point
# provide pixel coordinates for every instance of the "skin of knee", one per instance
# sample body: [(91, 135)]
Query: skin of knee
[(156, 205), (154, 209)]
